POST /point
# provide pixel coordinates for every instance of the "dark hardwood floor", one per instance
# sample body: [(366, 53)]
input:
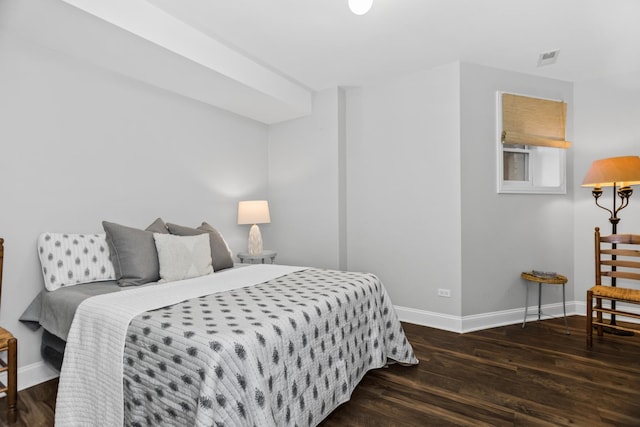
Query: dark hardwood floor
[(506, 376)]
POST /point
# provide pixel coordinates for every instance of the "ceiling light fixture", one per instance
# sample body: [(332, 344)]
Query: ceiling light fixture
[(360, 7)]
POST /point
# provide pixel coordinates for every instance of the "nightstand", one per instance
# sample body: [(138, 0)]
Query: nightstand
[(245, 258)]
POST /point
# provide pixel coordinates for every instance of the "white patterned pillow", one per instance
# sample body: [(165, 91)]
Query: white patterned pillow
[(183, 257), (72, 259)]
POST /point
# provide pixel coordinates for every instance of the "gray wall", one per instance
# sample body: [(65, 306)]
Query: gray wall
[(403, 180), (383, 188), (421, 204), (607, 125), (81, 144), (505, 234), (304, 186)]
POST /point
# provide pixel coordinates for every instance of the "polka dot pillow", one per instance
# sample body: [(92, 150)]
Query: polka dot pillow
[(72, 259)]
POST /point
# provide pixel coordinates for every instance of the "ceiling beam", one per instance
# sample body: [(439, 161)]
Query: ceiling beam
[(176, 57)]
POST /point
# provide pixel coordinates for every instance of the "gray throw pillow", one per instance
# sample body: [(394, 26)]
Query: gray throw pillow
[(133, 254), (225, 255), (158, 226), (220, 253)]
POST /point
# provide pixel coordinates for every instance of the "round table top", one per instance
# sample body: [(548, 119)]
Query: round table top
[(556, 280), (264, 254)]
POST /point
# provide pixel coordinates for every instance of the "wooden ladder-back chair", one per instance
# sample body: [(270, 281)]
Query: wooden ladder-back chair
[(8, 344), (617, 258)]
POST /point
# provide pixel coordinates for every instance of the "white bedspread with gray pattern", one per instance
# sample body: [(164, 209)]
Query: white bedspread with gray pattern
[(283, 352)]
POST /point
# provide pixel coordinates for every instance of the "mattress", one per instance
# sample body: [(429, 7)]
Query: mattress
[(54, 311)]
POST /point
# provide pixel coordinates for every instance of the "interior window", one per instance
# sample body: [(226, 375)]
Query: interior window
[(531, 145)]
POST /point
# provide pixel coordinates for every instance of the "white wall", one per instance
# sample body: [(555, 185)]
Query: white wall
[(81, 144), (403, 180), (505, 234), (305, 180), (607, 125)]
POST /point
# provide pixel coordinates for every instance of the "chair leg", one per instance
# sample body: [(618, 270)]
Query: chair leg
[(589, 319), (526, 303), (564, 311), (599, 316), (12, 380), (539, 300)]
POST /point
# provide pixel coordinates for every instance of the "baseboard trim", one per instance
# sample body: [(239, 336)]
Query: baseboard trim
[(431, 319), (475, 322), (34, 374)]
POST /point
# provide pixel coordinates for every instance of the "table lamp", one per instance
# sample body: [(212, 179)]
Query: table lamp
[(254, 212)]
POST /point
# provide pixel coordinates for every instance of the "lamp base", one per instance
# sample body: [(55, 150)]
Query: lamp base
[(254, 245)]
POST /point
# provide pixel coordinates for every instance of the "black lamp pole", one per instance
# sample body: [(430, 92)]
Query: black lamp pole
[(624, 193)]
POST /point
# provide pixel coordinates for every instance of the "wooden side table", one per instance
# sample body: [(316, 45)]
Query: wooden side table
[(257, 259), (555, 280), (9, 344)]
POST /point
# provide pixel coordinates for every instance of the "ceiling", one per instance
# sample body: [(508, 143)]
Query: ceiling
[(263, 59), (320, 44)]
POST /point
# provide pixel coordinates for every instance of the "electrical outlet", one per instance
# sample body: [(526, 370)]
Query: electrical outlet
[(444, 293)]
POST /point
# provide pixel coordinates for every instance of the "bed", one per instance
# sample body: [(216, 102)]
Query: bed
[(250, 345)]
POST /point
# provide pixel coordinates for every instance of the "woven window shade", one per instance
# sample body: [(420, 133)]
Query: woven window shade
[(533, 121)]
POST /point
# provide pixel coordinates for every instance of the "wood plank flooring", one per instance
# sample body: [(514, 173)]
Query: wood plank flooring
[(507, 376)]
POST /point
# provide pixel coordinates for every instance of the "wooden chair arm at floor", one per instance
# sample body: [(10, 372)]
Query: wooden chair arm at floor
[(9, 344), (617, 257)]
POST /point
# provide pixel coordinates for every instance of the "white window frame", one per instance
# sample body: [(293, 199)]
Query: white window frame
[(529, 186)]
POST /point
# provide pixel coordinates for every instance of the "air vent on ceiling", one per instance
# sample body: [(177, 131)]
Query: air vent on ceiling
[(548, 58)]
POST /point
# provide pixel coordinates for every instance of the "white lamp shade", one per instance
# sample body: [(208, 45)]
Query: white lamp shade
[(360, 7), (253, 212)]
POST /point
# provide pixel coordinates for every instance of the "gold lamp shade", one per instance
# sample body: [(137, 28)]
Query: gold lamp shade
[(619, 171)]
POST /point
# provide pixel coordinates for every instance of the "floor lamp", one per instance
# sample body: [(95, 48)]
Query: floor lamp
[(619, 173)]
